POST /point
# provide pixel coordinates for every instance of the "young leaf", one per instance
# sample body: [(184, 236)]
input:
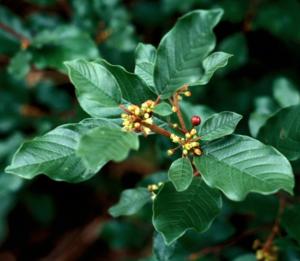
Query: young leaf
[(282, 131), (145, 55), (132, 87), (182, 50), (219, 125), (181, 173), (235, 44), (211, 64), (163, 109), (53, 155), (97, 90), (239, 164), (176, 212), (285, 93), (106, 143), (131, 201)]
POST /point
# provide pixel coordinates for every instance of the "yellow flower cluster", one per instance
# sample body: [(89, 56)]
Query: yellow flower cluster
[(271, 254), (136, 116), (153, 189), (189, 143)]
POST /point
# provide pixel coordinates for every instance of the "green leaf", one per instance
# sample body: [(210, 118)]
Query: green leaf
[(285, 93), (235, 44), (162, 251), (282, 131), (131, 201), (9, 184), (219, 125), (64, 43), (97, 89), (53, 154), (182, 50), (211, 64), (181, 173), (163, 109), (238, 165), (19, 65), (264, 108), (145, 55), (290, 221), (106, 143), (176, 212), (132, 87)]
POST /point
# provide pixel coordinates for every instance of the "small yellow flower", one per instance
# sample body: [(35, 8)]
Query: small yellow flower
[(187, 135), (170, 152), (193, 132), (197, 151), (187, 93)]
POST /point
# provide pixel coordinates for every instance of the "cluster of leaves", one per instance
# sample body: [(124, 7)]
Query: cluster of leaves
[(177, 200), (34, 95)]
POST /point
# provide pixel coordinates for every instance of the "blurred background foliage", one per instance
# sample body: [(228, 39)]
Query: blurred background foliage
[(60, 221)]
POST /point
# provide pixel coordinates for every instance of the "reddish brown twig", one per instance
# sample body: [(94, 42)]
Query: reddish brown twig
[(25, 42), (276, 227), (175, 103), (73, 244)]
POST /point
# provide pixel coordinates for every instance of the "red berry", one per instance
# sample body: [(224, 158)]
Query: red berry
[(196, 120)]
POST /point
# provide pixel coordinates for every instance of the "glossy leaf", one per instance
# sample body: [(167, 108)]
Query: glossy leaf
[(9, 184), (285, 93), (97, 90), (182, 50), (219, 125), (105, 143), (131, 201), (176, 212), (163, 109), (145, 55), (162, 251), (235, 44), (238, 165), (181, 173), (264, 108), (282, 131), (211, 64), (132, 87), (53, 154)]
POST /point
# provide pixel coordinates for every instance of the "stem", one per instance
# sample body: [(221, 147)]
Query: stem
[(24, 40), (276, 227), (178, 111), (157, 129)]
